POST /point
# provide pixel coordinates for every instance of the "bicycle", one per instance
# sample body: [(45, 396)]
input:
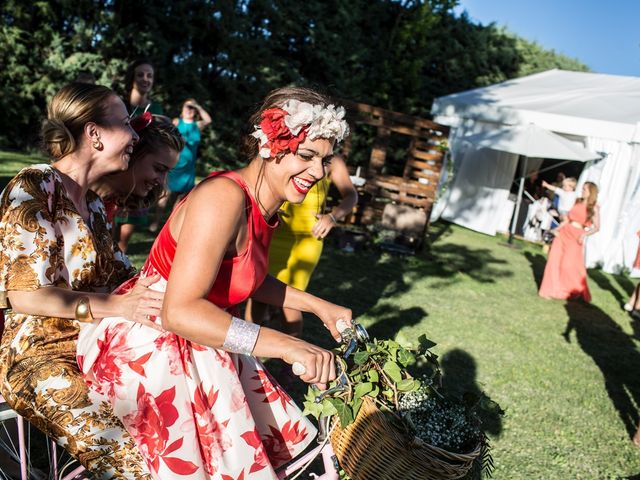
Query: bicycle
[(18, 439)]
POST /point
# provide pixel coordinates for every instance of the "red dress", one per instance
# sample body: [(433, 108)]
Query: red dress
[(565, 275), (197, 412)]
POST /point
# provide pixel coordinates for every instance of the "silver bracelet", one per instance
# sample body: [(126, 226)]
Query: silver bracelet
[(241, 336)]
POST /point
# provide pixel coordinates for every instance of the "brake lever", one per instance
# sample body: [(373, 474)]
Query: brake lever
[(352, 337), (341, 385)]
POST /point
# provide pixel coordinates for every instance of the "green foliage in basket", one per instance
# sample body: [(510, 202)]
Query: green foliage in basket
[(382, 370), (379, 370)]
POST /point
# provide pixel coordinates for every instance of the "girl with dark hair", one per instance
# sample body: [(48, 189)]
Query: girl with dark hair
[(58, 265), (195, 397), (138, 81), (565, 275)]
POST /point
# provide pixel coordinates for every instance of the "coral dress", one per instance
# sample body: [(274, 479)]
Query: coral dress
[(565, 275), (197, 412)]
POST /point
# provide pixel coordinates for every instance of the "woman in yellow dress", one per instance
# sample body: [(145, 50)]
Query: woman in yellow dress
[(297, 244)]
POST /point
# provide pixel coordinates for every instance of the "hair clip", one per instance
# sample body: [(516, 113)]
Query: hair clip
[(141, 122)]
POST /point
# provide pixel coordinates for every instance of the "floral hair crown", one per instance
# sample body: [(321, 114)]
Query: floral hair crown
[(285, 128)]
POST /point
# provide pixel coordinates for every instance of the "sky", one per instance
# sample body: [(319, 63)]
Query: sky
[(603, 34)]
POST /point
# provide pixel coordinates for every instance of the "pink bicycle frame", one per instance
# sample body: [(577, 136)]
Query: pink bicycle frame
[(330, 472)]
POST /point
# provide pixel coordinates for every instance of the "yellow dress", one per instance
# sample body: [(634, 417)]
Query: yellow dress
[(294, 251)]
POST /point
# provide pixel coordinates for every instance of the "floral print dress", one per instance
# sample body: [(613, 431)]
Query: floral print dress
[(196, 412), (45, 242)]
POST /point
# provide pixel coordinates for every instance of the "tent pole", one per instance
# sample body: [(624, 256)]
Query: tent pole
[(514, 221)]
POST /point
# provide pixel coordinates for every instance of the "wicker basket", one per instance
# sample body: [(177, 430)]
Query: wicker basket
[(373, 448)]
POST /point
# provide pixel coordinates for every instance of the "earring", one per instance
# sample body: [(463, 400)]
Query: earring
[(97, 144)]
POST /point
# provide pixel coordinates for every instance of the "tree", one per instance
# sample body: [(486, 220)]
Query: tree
[(228, 54)]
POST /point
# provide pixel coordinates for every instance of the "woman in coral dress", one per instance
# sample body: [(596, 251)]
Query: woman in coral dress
[(565, 275), (193, 394)]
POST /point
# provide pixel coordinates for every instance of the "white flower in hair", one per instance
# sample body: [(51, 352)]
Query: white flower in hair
[(262, 140), (328, 122), (301, 120), (260, 135), (300, 114)]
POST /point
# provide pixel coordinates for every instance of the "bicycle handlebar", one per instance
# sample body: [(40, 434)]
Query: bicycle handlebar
[(351, 337)]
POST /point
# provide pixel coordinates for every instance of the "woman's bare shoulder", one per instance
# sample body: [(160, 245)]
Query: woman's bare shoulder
[(219, 191)]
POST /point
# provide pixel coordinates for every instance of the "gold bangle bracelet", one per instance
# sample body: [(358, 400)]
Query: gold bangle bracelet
[(83, 310)]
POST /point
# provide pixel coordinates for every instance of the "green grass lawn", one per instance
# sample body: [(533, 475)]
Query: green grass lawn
[(11, 163), (566, 373)]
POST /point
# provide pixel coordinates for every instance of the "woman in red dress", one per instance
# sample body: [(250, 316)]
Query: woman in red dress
[(565, 275), (193, 395)]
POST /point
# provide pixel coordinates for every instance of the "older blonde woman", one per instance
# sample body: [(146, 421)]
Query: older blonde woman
[(58, 263)]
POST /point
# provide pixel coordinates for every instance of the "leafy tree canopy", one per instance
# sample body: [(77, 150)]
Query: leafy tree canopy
[(396, 54)]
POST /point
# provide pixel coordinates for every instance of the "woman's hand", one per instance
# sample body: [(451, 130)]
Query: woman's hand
[(335, 317), (141, 303), (323, 226), (319, 364)]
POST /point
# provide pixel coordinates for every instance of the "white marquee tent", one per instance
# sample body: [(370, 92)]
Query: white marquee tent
[(599, 112)]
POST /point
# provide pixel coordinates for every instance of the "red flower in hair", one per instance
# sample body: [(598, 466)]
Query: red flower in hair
[(272, 123), (141, 122), (280, 138)]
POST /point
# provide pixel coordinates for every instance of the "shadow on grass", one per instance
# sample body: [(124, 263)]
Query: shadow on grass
[(625, 283), (537, 262), (437, 231), (615, 354), (368, 280), (143, 243), (4, 180), (634, 321), (604, 283), (459, 377), (447, 260), (390, 320)]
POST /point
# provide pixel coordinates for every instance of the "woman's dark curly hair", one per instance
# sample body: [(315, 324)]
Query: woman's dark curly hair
[(129, 77)]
